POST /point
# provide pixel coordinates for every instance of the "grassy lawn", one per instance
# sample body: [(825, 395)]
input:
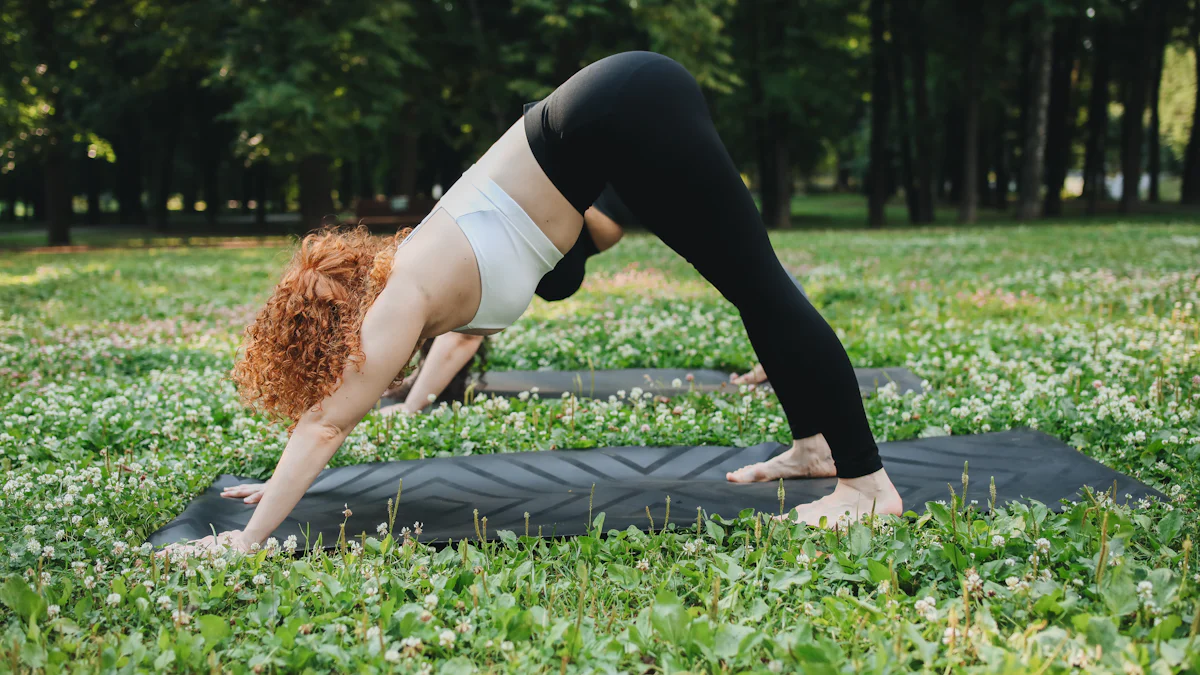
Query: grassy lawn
[(116, 411)]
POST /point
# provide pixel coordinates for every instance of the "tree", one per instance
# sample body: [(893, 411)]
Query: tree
[(1094, 173), (45, 43), (1140, 19), (1160, 34), (911, 10), (1190, 190), (1034, 147), (877, 183), (1062, 111), (310, 76), (968, 206)]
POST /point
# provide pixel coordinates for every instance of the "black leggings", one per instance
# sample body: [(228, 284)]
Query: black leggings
[(638, 121)]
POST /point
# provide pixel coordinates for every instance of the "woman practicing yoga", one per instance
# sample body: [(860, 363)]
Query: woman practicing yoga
[(351, 309), (444, 366)]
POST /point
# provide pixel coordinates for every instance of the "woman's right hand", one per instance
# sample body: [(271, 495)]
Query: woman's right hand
[(250, 493)]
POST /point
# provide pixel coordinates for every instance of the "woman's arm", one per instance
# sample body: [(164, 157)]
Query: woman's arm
[(390, 331), (448, 354)]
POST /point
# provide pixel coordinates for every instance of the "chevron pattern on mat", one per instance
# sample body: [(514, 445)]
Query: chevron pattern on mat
[(555, 487)]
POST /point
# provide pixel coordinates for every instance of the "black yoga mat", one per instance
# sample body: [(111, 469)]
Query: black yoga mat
[(657, 381), (554, 487)]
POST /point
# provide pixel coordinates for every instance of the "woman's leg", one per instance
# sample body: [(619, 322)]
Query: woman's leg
[(672, 170)]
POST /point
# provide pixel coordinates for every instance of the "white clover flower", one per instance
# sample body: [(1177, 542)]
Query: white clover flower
[(1042, 545), (164, 601), (997, 540), (391, 656), (927, 607), (463, 626), (373, 633), (382, 529), (259, 579), (1145, 590), (113, 599), (506, 646), (950, 635), (89, 583), (412, 645), (431, 601), (643, 565), (52, 611), (446, 638)]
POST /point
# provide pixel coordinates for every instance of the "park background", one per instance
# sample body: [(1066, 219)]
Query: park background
[(146, 118), (1074, 316)]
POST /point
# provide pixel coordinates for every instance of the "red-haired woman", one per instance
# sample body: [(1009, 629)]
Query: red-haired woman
[(352, 309)]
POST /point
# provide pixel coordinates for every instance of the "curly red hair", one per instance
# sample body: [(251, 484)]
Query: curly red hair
[(295, 351)]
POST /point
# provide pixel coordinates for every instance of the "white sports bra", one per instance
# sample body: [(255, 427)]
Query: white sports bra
[(512, 252)]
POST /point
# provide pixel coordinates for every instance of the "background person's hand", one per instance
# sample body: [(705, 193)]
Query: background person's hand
[(251, 493), (756, 376), (234, 539), (394, 409)]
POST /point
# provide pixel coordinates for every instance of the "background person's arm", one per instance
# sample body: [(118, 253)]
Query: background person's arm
[(447, 355)]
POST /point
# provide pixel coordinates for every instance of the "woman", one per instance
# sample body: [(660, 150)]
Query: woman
[(445, 362), (350, 311)]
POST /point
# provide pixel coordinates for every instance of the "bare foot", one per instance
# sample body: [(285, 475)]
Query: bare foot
[(807, 458), (756, 376), (851, 500)]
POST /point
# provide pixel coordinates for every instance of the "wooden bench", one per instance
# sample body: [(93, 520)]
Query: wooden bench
[(399, 212)]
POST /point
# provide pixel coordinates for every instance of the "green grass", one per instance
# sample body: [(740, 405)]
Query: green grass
[(116, 411)]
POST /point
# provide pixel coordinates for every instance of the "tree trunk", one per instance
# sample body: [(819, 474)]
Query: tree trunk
[(1094, 187), (261, 184), (346, 185), (950, 183), (316, 188), (877, 195), (922, 131), (896, 57), (1159, 46), (489, 56), (1190, 191), (366, 177), (1134, 104), (58, 196), (91, 177), (1034, 150), (9, 213), (128, 147), (983, 187), (1061, 121), (212, 189), (35, 205), (406, 172), (166, 174), (968, 205), (188, 191)]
